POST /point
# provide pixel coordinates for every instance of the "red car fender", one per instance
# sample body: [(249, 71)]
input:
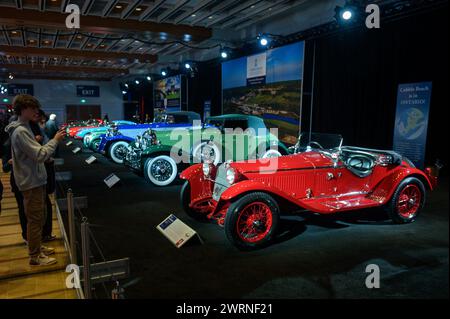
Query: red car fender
[(384, 190), (247, 186), (191, 172)]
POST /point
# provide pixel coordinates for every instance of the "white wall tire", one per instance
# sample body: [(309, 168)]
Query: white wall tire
[(197, 150), (271, 153), (160, 170), (85, 139), (117, 151)]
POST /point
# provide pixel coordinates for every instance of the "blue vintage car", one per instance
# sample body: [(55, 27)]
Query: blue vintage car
[(104, 128), (115, 142)]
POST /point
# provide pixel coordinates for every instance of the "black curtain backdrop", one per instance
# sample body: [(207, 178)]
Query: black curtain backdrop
[(206, 85), (358, 72)]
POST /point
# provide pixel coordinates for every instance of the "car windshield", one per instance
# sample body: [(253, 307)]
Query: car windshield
[(160, 118), (318, 141), (229, 123)]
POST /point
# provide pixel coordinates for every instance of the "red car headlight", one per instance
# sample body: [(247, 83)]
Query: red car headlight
[(231, 175)]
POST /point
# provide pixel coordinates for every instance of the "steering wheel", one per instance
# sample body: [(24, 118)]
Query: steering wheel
[(316, 143)]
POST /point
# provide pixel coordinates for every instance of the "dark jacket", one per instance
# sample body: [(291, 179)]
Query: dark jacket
[(51, 128)]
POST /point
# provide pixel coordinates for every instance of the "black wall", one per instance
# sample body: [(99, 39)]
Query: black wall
[(357, 74)]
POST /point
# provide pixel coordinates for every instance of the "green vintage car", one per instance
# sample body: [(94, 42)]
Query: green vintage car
[(160, 156)]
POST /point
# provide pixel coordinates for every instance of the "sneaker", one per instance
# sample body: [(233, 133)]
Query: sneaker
[(48, 238), (42, 260), (47, 250)]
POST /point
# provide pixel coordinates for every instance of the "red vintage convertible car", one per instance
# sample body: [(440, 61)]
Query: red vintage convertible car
[(73, 130), (322, 176)]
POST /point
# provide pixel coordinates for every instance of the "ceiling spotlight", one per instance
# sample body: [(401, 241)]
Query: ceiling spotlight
[(163, 73), (149, 78), (224, 54), (137, 82), (187, 66), (124, 92), (346, 15), (263, 41), (126, 85)]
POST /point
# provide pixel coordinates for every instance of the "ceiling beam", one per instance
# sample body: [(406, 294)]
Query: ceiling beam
[(109, 7), (166, 14), (248, 20), (70, 53), (55, 77), (232, 13), (12, 16), (213, 11), (130, 8), (151, 9), (87, 6), (194, 10), (61, 68)]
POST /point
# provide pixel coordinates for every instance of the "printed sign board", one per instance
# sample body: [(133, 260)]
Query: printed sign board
[(91, 159), (177, 232), (111, 180)]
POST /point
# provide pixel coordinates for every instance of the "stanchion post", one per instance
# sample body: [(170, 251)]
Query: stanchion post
[(71, 215), (86, 260)]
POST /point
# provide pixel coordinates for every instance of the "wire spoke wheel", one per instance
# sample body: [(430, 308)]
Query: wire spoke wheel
[(161, 170), (409, 200), (254, 222)]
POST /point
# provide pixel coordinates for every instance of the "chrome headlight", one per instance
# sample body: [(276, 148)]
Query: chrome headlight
[(231, 175), (385, 160), (137, 141), (206, 169), (113, 130), (149, 138)]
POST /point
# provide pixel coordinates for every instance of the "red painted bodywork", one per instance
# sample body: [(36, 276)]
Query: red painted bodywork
[(75, 129), (303, 180)]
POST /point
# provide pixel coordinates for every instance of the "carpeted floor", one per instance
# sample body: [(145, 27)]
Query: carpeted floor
[(313, 256)]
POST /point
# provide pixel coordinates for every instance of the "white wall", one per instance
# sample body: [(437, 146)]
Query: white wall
[(54, 95)]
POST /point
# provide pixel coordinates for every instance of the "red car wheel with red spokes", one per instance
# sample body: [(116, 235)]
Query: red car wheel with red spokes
[(254, 222), (407, 201), (251, 221)]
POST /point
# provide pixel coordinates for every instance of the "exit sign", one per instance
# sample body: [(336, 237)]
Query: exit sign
[(15, 89), (88, 90)]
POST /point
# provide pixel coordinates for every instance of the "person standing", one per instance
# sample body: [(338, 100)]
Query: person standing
[(38, 128), (50, 130), (28, 158), (51, 127)]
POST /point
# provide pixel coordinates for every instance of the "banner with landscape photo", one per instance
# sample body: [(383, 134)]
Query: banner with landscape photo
[(271, 91)]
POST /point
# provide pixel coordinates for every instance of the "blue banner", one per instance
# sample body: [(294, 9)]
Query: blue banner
[(411, 121)]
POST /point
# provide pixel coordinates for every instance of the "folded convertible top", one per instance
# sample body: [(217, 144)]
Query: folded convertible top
[(396, 157)]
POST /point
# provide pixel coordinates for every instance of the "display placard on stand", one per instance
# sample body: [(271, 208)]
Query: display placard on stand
[(177, 232), (111, 180), (69, 143), (76, 150), (91, 159)]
